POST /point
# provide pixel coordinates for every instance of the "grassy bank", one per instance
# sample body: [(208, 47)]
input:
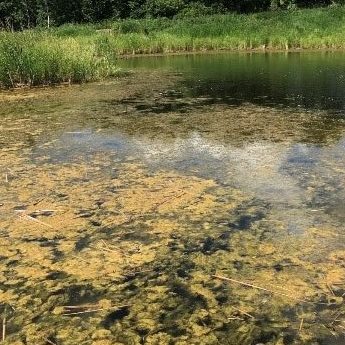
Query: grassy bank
[(34, 58), (77, 53)]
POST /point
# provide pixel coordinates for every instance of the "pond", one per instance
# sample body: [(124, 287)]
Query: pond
[(198, 200)]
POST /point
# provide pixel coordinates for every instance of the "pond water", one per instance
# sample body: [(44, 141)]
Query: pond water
[(198, 200)]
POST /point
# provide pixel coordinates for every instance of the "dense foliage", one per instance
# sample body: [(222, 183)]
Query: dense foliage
[(84, 52), (21, 14)]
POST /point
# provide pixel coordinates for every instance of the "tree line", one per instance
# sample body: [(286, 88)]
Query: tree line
[(22, 14)]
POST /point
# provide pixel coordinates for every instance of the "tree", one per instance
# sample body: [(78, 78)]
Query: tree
[(43, 13), (22, 14)]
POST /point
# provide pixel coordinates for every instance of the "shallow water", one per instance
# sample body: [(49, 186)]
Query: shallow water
[(121, 200)]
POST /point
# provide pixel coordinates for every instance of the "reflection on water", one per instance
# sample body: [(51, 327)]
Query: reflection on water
[(121, 200), (308, 80)]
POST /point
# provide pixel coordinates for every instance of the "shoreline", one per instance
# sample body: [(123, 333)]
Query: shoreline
[(79, 53), (233, 51), (173, 54), (124, 72)]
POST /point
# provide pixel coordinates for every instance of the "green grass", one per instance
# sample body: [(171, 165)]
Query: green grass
[(34, 58), (78, 53)]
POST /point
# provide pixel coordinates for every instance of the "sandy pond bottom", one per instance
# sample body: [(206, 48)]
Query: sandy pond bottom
[(120, 201)]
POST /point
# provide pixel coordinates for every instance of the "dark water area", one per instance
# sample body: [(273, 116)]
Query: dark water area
[(122, 203), (304, 80)]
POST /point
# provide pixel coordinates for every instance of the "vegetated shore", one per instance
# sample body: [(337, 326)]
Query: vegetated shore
[(80, 53)]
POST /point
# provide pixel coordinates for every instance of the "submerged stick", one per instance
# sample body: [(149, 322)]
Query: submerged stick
[(24, 215), (4, 328), (235, 318), (260, 288), (301, 325), (336, 317), (83, 312), (86, 306), (244, 313), (88, 310), (330, 289), (38, 221)]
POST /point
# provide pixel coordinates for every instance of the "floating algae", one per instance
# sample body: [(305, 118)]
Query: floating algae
[(113, 227)]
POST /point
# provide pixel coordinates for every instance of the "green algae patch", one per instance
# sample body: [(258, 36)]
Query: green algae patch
[(115, 219), (134, 256), (72, 235)]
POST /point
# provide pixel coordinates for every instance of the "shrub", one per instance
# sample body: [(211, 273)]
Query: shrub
[(197, 9), (163, 8)]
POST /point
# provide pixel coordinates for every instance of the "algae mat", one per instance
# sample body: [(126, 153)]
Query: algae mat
[(122, 202)]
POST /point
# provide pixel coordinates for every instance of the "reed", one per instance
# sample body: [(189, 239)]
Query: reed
[(36, 58), (78, 53)]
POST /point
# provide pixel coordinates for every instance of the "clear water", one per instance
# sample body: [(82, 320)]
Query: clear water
[(123, 199)]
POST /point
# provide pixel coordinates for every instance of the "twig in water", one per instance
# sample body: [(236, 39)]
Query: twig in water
[(261, 288), (105, 244), (38, 221), (301, 325), (46, 213), (83, 312), (336, 317), (244, 313), (235, 318), (333, 333), (73, 310), (84, 306), (330, 289), (24, 215), (4, 328), (4, 325), (38, 201)]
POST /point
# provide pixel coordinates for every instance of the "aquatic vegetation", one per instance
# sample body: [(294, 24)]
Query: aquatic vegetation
[(111, 234), (99, 232), (77, 53), (30, 59), (71, 256)]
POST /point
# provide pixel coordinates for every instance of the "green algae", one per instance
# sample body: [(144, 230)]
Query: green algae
[(136, 243)]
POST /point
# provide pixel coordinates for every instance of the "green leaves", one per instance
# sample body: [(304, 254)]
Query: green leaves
[(163, 8), (24, 14)]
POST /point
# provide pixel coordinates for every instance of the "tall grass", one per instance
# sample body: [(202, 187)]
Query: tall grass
[(299, 29), (77, 53), (31, 58)]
